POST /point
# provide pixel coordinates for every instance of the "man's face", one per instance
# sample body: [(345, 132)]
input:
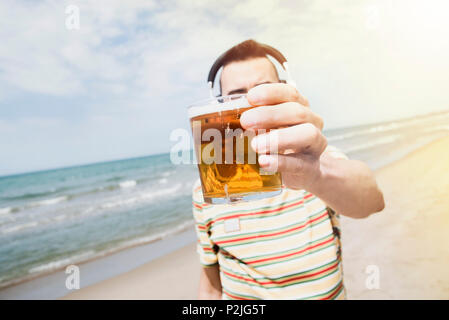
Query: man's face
[(241, 76)]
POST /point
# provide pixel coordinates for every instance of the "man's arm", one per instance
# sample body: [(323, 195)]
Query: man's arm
[(296, 150), (348, 187), (210, 284)]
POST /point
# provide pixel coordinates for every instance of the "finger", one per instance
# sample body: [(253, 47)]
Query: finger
[(301, 138), (281, 163), (275, 93), (284, 114)]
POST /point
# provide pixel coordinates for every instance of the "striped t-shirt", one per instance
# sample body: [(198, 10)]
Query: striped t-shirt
[(283, 247)]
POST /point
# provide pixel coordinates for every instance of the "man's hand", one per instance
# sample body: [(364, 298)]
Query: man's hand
[(297, 140), (296, 150)]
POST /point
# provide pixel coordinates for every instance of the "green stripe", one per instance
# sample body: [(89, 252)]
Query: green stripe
[(296, 257), (266, 206), (283, 277), (325, 293), (268, 231), (278, 213), (285, 251), (277, 286), (299, 231), (242, 295)]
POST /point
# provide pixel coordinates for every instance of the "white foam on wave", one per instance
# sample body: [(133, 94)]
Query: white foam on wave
[(375, 143), (47, 202), (20, 227), (79, 258), (5, 211), (376, 129), (168, 173), (163, 181), (60, 217), (62, 262), (143, 197), (159, 236), (127, 184), (437, 128)]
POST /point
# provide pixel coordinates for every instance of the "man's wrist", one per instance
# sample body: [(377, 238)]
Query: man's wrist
[(324, 172)]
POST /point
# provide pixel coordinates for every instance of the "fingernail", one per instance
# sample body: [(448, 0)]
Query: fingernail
[(254, 97), (246, 120), (264, 160), (259, 143)]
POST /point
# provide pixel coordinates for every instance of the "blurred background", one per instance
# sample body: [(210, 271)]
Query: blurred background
[(91, 90)]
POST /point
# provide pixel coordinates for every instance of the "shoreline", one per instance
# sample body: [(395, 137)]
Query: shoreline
[(52, 284), (185, 227)]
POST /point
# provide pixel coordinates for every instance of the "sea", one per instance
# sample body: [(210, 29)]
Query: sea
[(54, 218)]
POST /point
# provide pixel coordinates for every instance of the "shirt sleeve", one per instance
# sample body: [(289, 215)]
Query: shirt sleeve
[(206, 249), (335, 152)]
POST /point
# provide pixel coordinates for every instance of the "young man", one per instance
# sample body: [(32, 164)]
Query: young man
[(287, 246)]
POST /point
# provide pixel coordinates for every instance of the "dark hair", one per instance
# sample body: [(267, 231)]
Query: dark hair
[(245, 50)]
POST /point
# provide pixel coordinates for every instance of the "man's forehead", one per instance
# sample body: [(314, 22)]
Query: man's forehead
[(247, 73)]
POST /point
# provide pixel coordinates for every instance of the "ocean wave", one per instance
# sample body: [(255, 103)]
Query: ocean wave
[(367, 131), (53, 265), (380, 128), (47, 202), (127, 184), (5, 211), (437, 128), (159, 236), (19, 227), (375, 143), (32, 195), (168, 173), (91, 254), (143, 197)]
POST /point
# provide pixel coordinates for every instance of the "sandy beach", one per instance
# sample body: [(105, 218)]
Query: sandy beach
[(406, 245)]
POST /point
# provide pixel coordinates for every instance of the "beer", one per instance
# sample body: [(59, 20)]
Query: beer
[(228, 166)]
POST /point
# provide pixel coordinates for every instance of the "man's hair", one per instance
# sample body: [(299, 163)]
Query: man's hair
[(248, 49)]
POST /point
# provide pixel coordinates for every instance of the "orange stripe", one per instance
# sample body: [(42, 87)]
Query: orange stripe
[(273, 234), (333, 293), (293, 253), (282, 281), (260, 212)]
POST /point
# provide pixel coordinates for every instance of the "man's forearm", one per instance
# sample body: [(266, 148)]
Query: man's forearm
[(210, 284), (348, 187)]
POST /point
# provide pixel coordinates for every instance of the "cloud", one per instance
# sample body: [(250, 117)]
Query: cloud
[(119, 84)]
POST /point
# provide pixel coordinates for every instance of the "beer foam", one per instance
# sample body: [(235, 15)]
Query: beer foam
[(215, 106)]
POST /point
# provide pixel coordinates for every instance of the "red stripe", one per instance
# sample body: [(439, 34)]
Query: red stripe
[(282, 281), (261, 212), (197, 206), (293, 253), (333, 293), (273, 234), (234, 297)]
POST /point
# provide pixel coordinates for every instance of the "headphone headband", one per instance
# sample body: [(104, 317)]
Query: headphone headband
[(276, 54)]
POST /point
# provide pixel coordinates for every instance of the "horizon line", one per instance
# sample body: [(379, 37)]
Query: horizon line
[(7, 175)]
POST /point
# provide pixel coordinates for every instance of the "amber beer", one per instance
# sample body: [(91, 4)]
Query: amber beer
[(228, 166)]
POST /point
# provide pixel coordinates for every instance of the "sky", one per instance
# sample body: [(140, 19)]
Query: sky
[(120, 83)]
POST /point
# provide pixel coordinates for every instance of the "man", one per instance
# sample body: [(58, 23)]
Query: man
[(287, 246)]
